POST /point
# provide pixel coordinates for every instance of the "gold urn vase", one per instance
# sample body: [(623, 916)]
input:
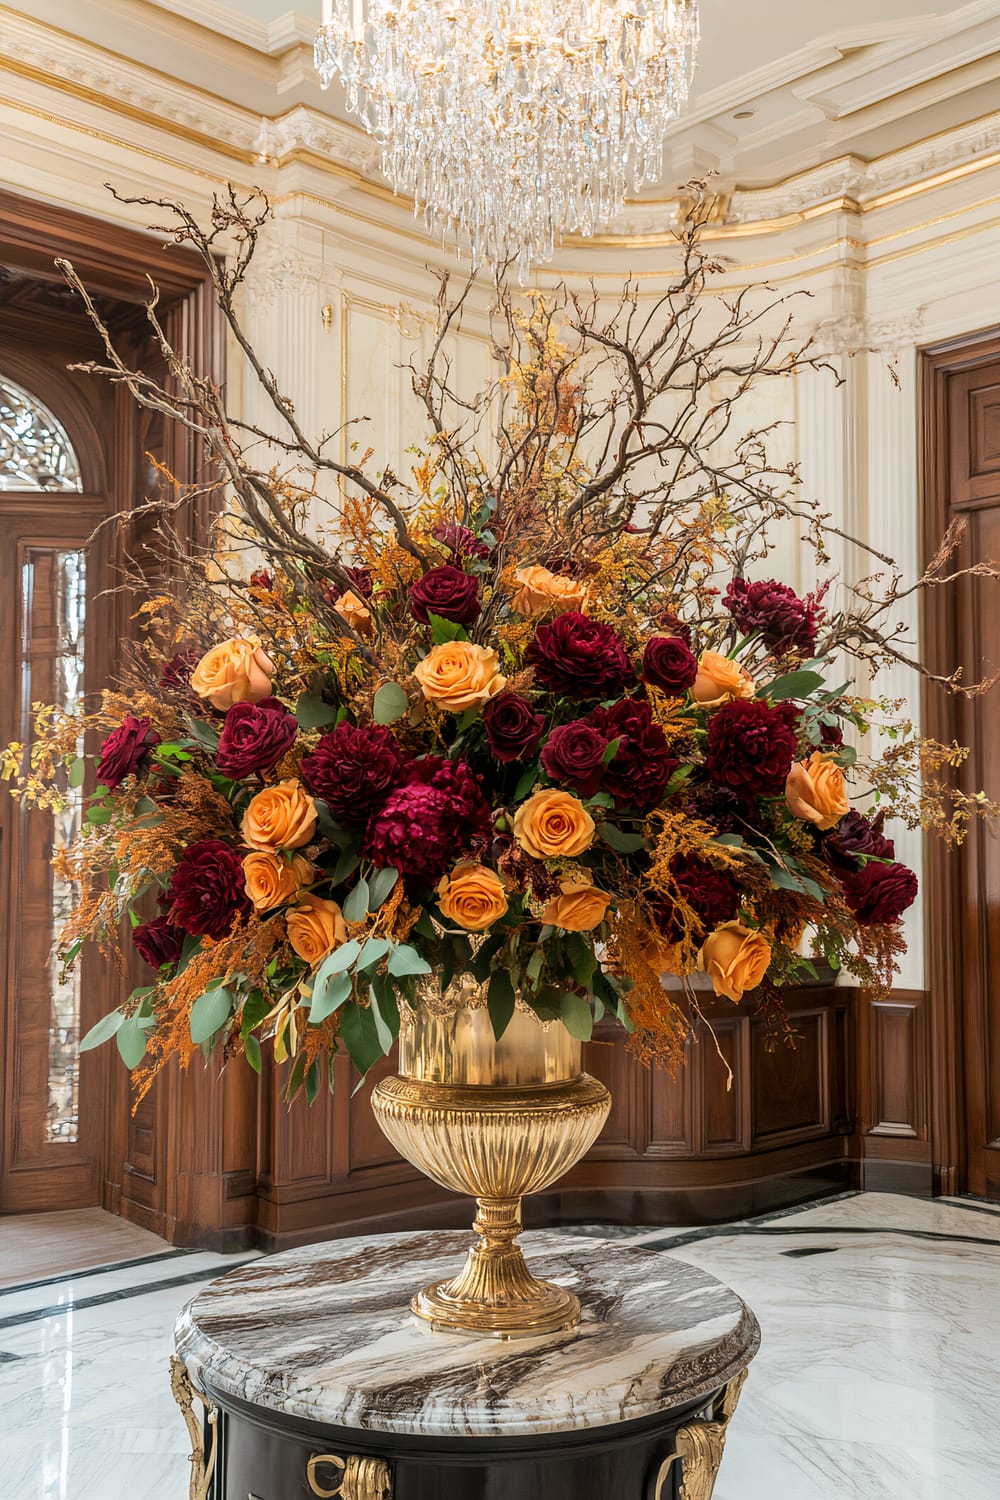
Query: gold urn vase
[(497, 1120)]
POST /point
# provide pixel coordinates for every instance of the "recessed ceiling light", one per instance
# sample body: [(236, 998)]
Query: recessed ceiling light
[(744, 114)]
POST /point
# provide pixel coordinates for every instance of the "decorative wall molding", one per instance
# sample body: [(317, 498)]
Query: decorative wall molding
[(852, 334)]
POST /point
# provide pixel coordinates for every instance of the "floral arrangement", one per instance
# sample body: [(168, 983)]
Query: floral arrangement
[(516, 722)]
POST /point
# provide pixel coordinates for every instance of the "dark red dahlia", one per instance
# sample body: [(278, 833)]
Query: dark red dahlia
[(579, 657), (446, 591), (712, 894), (513, 729), (879, 894), (751, 747), (159, 942), (361, 581), (643, 764), (436, 816), (176, 673), (460, 540), (353, 769), (125, 749), (207, 892), (854, 838), (785, 621), (574, 754), (254, 737), (669, 663)]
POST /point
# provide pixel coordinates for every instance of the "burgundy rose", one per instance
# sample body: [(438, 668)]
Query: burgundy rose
[(854, 837), (643, 764), (360, 581), (784, 620), (712, 894), (751, 747), (669, 663), (574, 753), (879, 894), (513, 729), (832, 735), (207, 891), (437, 815), (579, 657), (353, 769), (176, 673), (125, 749), (260, 578), (460, 540), (446, 591), (159, 942), (254, 737)]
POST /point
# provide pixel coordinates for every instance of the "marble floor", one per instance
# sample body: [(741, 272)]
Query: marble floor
[(877, 1377), (33, 1246)]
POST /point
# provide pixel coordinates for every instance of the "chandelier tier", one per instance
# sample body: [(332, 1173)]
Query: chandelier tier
[(513, 122)]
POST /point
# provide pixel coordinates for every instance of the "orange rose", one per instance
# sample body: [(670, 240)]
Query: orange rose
[(473, 896), (579, 906), (270, 880), (545, 593), (459, 675), (553, 824), (815, 791), (719, 680), (735, 958), (238, 671), (315, 927), (354, 612), (280, 817)]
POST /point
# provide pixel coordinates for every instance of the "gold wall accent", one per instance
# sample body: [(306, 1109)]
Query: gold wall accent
[(699, 1448), (360, 1478), (185, 1394)]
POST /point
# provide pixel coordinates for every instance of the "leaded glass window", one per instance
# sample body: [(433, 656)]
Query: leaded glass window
[(35, 450)]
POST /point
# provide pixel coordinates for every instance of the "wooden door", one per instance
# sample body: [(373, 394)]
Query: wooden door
[(53, 649), (962, 481)]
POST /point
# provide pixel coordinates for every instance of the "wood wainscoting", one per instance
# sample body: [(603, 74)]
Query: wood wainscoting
[(845, 1105)]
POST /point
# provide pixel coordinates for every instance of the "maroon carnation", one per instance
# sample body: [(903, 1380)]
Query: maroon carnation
[(354, 769), (448, 592), (712, 894), (254, 737), (207, 891), (159, 942), (784, 620), (579, 657), (751, 747), (125, 749), (460, 540), (879, 894), (641, 767), (260, 578), (360, 581), (176, 673), (669, 663), (513, 729), (574, 753), (854, 838), (438, 814)]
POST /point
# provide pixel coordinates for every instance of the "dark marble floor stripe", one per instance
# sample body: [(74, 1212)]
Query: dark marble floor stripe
[(113, 1265), (145, 1289), (734, 1231), (973, 1206)]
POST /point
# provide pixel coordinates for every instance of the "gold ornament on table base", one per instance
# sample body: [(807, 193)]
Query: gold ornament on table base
[(497, 1120)]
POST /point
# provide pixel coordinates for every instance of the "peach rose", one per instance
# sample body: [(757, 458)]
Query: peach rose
[(315, 927), (719, 680), (545, 593), (238, 671), (473, 896), (735, 958), (815, 791), (553, 824), (354, 612), (579, 906), (280, 817), (270, 880), (459, 675)]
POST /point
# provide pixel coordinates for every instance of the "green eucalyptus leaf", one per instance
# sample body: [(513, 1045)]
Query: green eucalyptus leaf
[(77, 772), (131, 1041), (621, 842), (337, 962), (404, 960), (443, 631), (209, 1012), (373, 953), (105, 1029), (313, 713), (792, 685), (390, 703), (361, 1038), (356, 902), (329, 996), (381, 887), (500, 1001), (577, 1016)]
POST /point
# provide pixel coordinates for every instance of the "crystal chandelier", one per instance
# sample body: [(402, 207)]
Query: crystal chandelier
[(513, 122)]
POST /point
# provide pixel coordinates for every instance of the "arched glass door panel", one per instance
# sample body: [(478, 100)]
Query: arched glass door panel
[(35, 450)]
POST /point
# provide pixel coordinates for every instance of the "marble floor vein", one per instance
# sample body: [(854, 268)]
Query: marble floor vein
[(877, 1377)]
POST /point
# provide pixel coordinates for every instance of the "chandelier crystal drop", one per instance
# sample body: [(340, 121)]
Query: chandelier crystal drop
[(513, 122)]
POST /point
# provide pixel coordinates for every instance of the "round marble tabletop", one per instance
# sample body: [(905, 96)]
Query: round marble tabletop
[(325, 1333)]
